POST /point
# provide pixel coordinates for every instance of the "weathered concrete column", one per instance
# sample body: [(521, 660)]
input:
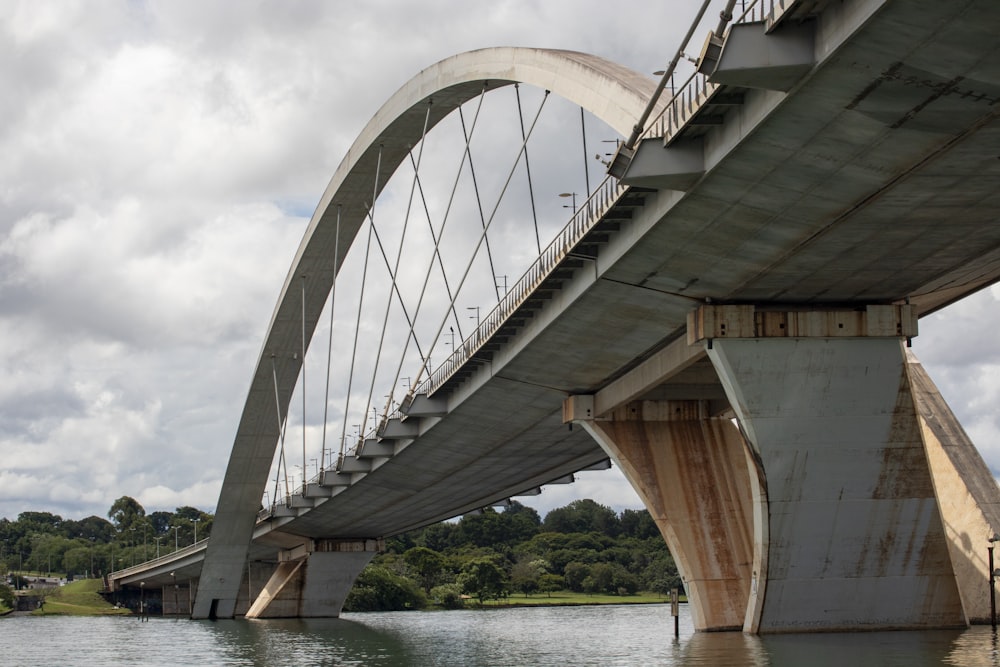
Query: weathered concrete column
[(854, 538), (313, 582), (692, 473)]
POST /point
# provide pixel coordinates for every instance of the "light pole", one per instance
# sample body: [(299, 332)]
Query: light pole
[(569, 194), (176, 539), (158, 538), (132, 536), (195, 522), (993, 574)]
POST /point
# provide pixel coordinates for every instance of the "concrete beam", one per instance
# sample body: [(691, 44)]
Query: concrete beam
[(748, 321), (423, 406), (398, 429), (753, 58), (674, 167), (352, 464), (371, 448), (660, 367)]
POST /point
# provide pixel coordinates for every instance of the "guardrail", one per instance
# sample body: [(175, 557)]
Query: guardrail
[(696, 90), (584, 219), (162, 560)]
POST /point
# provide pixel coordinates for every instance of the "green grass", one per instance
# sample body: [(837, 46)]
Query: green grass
[(571, 598), (78, 598)]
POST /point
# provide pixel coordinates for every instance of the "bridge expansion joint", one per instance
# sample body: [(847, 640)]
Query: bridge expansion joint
[(750, 321)]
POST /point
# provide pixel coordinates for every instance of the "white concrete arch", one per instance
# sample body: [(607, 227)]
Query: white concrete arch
[(615, 94)]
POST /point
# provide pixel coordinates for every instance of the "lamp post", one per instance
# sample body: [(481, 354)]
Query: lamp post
[(569, 194), (158, 538), (195, 522), (176, 539), (132, 542), (993, 574)]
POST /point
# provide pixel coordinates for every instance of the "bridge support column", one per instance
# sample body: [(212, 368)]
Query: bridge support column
[(313, 581), (692, 473), (853, 537)]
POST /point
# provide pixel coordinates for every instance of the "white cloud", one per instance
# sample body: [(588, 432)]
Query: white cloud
[(160, 163)]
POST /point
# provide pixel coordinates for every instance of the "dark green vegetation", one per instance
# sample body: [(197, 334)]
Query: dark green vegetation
[(42, 543), (583, 552), (510, 555)]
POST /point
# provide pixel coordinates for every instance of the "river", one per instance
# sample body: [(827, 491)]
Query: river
[(605, 635)]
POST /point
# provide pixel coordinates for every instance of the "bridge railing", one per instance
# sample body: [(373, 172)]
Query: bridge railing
[(584, 219), (696, 90), (161, 560)]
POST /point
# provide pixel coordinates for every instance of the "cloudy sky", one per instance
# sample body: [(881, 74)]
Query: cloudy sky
[(160, 161)]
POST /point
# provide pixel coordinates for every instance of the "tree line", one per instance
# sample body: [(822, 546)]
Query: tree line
[(42, 542), (583, 547)]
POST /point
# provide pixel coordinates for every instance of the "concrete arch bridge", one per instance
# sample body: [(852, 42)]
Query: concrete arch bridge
[(727, 317)]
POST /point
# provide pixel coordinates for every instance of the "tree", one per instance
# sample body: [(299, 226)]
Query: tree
[(483, 579), (91, 528), (574, 574), (638, 524), (125, 512), (426, 564), (550, 583), (6, 596), (378, 589), (525, 574), (448, 596), (160, 522), (582, 516)]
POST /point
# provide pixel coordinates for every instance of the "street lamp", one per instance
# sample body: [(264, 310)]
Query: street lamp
[(195, 521), (993, 576), (569, 194), (158, 538), (176, 542)]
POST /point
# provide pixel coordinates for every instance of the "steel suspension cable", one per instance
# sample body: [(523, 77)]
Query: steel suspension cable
[(361, 300), (527, 167), (430, 227), (281, 434), (586, 156), (482, 216), (437, 243), (489, 222), (394, 270), (329, 344), (303, 384)]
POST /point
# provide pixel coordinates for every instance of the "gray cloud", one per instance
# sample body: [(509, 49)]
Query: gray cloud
[(161, 161)]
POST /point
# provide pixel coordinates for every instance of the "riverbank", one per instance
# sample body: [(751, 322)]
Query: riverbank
[(78, 598)]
